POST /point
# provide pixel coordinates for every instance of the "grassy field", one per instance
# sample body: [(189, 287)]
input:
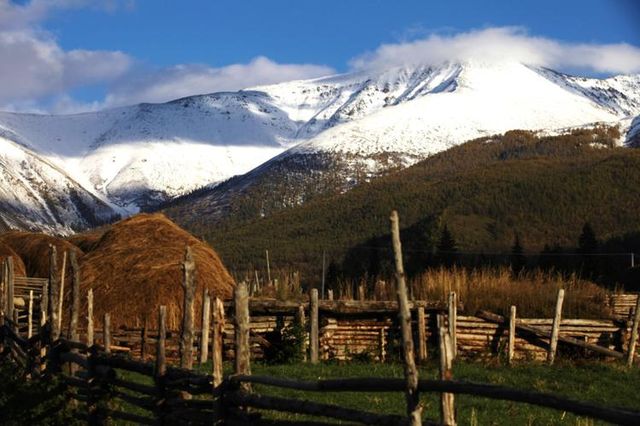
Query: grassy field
[(603, 384), (599, 383)]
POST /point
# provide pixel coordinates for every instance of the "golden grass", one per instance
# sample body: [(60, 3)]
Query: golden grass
[(495, 289), (533, 293)]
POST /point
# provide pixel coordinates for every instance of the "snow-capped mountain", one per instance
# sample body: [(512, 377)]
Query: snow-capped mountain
[(36, 195), (346, 128)]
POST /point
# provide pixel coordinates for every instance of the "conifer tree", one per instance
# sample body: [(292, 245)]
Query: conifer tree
[(517, 260), (446, 250)]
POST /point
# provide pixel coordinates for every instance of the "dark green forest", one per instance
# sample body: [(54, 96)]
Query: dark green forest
[(516, 199)]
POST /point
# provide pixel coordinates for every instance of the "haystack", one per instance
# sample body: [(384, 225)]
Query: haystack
[(34, 250), (137, 266), (18, 265)]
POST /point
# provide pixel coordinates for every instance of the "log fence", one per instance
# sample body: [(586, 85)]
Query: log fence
[(105, 378)]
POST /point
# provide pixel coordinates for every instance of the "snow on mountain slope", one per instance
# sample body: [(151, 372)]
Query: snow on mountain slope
[(36, 195), (391, 126), (487, 99), (350, 127)]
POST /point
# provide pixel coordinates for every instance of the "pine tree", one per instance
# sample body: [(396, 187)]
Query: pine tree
[(517, 260), (587, 243), (588, 246), (446, 250)]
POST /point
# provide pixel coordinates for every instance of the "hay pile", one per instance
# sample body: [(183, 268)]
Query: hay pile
[(18, 265), (136, 266), (33, 248)]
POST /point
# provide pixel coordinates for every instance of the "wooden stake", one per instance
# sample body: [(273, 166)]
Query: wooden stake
[(189, 287), (144, 338), (422, 335), (314, 330), (30, 316), (243, 348), (329, 294), (75, 297), (447, 404), (324, 273), (161, 361), (512, 335), (361, 292), (268, 267), (218, 329), (3, 291), (453, 321), (61, 294), (107, 333), (9, 276), (555, 331), (300, 319), (54, 293), (90, 318), (414, 409), (204, 331), (634, 334), (383, 345)]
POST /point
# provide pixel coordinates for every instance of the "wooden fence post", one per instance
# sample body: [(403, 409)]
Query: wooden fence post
[(54, 292), (218, 329), (144, 338), (414, 408), (314, 340), (300, 319), (555, 330), (106, 333), (329, 294), (30, 316), (9, 277), (204, 331), (161, 361), (75, 297), (447, 403), (186, 335), (361, 293), (243, 348), (453, 321), (90, 318), (634, 334), (3, 290), (512, 335), (61, 291), (422, 335)]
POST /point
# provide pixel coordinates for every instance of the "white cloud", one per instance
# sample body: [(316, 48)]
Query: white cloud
[(505, 43), (37, 74), (35, 66), (184, 80)]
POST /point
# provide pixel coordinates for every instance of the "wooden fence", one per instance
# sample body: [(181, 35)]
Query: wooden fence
[(105, 381)]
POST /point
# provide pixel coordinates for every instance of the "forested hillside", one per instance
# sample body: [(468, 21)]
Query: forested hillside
[(487, 191)]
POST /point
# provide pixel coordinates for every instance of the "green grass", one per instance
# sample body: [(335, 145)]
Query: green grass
[(604, 384)]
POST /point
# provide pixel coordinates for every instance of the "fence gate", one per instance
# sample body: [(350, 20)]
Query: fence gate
[(26, 291)]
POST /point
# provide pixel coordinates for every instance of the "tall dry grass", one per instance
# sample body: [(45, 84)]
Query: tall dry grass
[(533, 293)]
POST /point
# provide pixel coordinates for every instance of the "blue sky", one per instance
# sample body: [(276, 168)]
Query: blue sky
[(107, 53)]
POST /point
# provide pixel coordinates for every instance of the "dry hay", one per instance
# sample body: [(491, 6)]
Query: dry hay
[(18, 265), (34, 250), (87, 240), (136, 266)]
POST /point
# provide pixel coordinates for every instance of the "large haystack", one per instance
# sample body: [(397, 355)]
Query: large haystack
[(18, 265), (34, 250), (137, 266)]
